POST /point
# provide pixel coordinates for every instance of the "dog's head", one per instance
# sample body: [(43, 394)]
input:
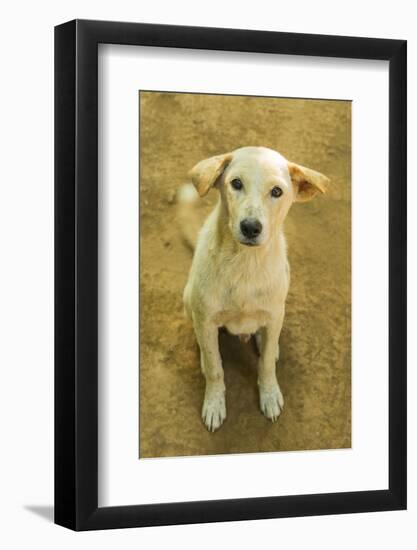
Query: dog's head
[(257, 187)]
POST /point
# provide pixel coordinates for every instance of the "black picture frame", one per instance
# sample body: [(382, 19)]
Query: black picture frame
[(76, 274)]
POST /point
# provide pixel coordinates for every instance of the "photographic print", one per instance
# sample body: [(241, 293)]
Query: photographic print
[(245, 274)]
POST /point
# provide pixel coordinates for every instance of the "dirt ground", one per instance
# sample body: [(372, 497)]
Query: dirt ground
[(314, 371)]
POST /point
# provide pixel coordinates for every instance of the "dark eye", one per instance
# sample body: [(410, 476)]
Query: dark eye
[(276, 192), (236, 184)]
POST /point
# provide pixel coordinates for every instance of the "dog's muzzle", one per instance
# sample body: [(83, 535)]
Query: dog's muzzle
[(250, 228)]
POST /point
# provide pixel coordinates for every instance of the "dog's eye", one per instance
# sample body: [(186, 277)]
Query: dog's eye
[(236, 184), (276, 192)]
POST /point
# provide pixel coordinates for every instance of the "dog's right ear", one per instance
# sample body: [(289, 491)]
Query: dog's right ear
[(207, 172)]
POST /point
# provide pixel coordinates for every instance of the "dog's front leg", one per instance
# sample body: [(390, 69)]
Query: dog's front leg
[(214, 406), (270, 396)]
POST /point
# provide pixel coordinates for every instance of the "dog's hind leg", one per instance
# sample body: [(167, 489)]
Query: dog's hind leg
[(258, 342), (258, 345)]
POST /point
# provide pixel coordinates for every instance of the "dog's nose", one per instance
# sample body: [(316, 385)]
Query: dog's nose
[(250, 228)]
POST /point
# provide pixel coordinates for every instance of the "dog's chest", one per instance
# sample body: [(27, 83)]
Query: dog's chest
[(248, 303), (245, 297)]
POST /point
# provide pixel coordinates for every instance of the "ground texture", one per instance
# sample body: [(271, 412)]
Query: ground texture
[(314, 371)]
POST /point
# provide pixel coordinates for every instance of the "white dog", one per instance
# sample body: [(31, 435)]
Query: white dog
[(239, 276)]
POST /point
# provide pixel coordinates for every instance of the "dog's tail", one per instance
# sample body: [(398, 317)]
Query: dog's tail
[(187, 200)]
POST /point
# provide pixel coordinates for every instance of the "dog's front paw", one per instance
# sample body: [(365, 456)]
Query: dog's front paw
[(214, 409), (271, 401)]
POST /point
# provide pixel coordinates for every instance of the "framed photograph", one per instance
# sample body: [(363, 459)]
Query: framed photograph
[(230, 275)]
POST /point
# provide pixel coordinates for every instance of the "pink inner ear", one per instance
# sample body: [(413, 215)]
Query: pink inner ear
[(303, 186)]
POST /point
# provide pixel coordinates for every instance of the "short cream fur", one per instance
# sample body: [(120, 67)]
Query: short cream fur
[(236, 282)]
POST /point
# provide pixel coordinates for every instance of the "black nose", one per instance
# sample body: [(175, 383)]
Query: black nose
[(250, 228)]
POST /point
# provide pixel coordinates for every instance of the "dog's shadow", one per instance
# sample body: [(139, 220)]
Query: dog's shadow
[(239, 358)]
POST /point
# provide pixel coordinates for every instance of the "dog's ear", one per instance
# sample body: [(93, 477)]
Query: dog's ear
[(207, 172), (307, 183)]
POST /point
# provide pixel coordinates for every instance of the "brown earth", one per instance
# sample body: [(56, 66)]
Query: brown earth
[(314, 371)]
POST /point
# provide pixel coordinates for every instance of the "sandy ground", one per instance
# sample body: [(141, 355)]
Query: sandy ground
[(314, 371)]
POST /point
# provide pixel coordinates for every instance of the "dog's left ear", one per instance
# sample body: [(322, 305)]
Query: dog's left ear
[(307, 183), (207, 172)]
